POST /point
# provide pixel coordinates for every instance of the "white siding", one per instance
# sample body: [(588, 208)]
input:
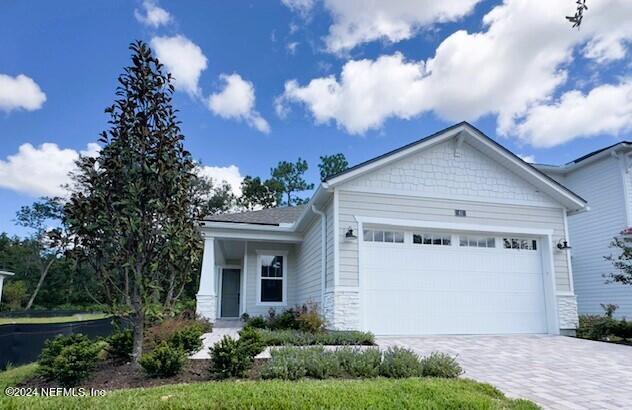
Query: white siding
[(600, 183), (251, 272), (329, 211), (309, 265), (428, 209), (437, 172)]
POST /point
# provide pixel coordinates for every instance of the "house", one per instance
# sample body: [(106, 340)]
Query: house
[(604, 179), (451, 234), (3, 274)]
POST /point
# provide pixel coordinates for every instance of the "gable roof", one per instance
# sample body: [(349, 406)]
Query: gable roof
[(270, 216), (462, 130), (585, 159)]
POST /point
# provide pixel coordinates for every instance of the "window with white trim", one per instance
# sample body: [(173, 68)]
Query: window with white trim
[(372, 235), (432, 239), (520, 243), (271, 278), (477, 241)]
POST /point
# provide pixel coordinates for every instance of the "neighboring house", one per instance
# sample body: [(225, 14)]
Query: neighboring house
[(451, 234), (604, 179), (3, 274)]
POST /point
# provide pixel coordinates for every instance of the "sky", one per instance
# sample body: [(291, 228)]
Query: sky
[(258, 82)]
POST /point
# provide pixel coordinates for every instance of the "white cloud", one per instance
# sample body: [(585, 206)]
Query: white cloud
[(183, 59), (237, 101), (360, 21), (154, 16), (42, 170), (516, 62), (606, 109), (229, 174), (291, 47), (20, 92), (303, 7), (527, 158)]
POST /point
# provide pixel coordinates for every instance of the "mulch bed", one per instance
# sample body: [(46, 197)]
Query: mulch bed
[(111, 375)]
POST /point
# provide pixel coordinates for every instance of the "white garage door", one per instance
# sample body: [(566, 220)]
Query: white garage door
[(451, 283)]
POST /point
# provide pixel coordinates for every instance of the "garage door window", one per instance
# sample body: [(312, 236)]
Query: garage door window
[(477, 241), (520, 243), (432, 239), (371, 235)]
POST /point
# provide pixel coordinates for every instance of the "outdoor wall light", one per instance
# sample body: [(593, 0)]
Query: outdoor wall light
[(563, 245), (349, 235)]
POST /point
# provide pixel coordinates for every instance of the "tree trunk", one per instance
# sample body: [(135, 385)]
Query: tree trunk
[(138, 322), (40, 282)]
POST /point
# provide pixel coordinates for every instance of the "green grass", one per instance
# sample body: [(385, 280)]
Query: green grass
[(58, 319), (306, 394), (15, 375)]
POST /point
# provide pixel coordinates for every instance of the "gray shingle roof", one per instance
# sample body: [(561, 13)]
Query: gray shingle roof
[(271, 216)]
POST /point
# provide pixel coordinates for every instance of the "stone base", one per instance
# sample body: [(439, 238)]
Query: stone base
[(206, 306), (567, 312), (342, 309)]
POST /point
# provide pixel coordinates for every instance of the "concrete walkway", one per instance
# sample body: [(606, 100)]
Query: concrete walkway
[(556, 372), (221, 328)]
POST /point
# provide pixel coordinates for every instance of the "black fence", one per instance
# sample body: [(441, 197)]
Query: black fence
[(45, 313), (22, 343)]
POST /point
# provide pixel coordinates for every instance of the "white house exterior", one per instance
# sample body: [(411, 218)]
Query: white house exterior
[(604, 179), (3, 274), (452, 234)]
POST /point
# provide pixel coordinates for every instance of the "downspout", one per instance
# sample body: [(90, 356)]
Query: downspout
[(323, 256)]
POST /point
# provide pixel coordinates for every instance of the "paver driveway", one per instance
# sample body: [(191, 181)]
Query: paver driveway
[(556, 372)]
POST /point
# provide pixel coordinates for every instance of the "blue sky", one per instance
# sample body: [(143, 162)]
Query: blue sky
[(263, 81)]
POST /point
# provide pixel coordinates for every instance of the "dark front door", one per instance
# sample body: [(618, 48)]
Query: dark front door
[(230, 292)]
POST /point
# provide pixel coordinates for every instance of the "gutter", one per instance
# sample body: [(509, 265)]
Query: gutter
[(323, 255)]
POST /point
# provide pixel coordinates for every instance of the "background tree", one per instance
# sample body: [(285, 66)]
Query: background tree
[(577, 18), (211, 198), (332, 165), (131, 209), (53, 241), (256, 194), (290, 177), (622, 261)]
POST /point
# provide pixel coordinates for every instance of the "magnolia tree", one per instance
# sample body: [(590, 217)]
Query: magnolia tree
[(132, 210)]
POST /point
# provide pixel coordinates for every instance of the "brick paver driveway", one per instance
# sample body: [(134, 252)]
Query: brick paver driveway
[(556, 372)]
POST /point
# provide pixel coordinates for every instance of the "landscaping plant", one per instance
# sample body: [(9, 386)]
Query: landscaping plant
[(360, 363), (233, 358), (69, 359), (120, 344), (440, 365), (164, 361), (398, 362)]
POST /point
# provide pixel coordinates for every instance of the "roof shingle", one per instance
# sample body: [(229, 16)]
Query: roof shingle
[(271, 216)]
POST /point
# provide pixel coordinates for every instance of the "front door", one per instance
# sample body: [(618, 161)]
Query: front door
[(230, 292)]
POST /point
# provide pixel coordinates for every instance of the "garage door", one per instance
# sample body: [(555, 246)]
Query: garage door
[(421, 282)]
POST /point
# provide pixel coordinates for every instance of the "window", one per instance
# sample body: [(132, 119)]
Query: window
[(520, 243), (371, 235), (272, 275), (477, 241), (432, 239)]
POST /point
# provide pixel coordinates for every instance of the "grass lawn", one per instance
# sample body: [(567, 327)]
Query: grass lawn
[(307, 394), (57, 319)]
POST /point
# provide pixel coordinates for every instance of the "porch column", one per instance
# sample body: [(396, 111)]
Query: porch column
[(207, 295)]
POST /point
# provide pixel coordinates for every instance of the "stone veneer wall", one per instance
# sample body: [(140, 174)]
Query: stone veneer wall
[(342, 309), (206, 306), (567, 311)]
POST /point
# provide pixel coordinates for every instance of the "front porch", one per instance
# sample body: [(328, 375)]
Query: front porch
[(243, 276)]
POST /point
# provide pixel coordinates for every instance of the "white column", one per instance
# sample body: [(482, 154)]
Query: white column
[(1, 282), (207, 295)]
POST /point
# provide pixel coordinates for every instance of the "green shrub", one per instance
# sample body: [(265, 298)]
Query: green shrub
[(320, 364), (52, 348), (166, 330), (250, 342), (256, 322), (398, 362), (328, 337), (188, 339), (360, 363), (310, 319), (288, 319), (69, 359), (286, 364), (164, 361), (440, 365), (596, 327), (121, 344), (232, 358), (14, 294)]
